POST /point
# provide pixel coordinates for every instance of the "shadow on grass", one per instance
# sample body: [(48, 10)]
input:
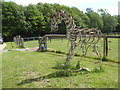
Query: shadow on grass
[(53, 54), (105, 59), (57, 74), (60, 52)]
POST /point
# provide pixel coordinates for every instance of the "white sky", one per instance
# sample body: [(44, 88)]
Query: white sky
[(110, 5)]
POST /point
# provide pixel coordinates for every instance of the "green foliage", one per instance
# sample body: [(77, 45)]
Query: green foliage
[(95, 20), (89, 10), (78, 65), (10, 12), (34, 20), (61, 65), (68, 73), (109, 22), (118, 28), (81, 18), (118, 24)]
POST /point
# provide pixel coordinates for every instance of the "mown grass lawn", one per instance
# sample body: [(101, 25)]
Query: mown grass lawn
[(62, 45), (19, 66), (112, 46)]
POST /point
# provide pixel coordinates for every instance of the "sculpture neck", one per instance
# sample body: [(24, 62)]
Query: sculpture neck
[(66, 18), (69, 21)]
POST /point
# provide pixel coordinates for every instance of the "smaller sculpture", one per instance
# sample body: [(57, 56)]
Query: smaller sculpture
[(42, 41)]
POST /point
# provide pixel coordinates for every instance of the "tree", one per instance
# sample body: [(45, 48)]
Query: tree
[(81, 18), (22, 25), (109, 22), (117, 29), (10, 22), (36, 20), (89, 10), (95, 19), (46, 9)]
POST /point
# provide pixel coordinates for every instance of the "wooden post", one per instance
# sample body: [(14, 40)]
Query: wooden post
[(39, 44), (50, 39), (105, 47), (22, 39), (45, 43)]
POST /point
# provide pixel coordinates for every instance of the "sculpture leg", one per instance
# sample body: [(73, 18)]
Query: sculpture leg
[(86, 49), (99, 54), (70, 54)]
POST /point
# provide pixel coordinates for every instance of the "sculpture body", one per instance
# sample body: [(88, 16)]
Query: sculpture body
[(78, 37)]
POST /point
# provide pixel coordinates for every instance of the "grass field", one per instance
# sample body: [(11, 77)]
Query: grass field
[(28, 66), (112, 53), (62, 45), (26, 69)]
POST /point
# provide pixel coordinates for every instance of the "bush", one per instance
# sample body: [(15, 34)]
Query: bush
[(78, 65), (61, 65)]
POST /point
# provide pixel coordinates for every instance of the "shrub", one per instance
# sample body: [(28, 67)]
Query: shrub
[(61, 65), (78, 65)]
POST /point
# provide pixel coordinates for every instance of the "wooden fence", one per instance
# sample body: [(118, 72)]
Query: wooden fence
[(105, 44), (105, 40), (31, 38), (113, 33)]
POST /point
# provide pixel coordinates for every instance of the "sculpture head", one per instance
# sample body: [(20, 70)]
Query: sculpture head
[(56, 19)]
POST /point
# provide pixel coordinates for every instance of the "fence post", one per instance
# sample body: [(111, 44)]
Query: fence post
[(45, 42), (39, 42), (50, 39), (105, 46), (22, 42)]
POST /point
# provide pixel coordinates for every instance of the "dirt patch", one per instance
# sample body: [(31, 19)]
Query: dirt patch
[(2, 46), (32, 49), (50, 49)]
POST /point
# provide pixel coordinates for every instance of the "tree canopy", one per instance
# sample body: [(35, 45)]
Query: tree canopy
[(34, 20)]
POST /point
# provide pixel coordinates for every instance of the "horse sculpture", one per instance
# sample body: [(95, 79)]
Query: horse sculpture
[(78, 37)]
